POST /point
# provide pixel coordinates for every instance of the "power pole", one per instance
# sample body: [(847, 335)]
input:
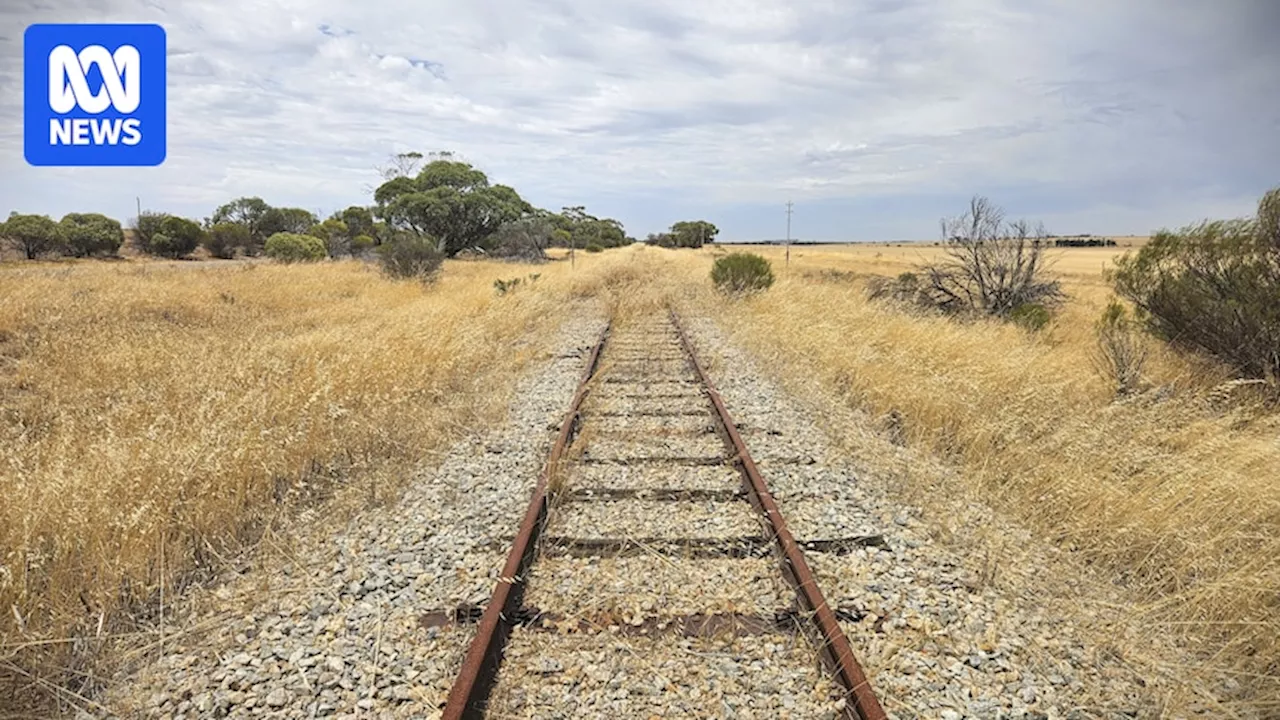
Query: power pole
[(789, 204)]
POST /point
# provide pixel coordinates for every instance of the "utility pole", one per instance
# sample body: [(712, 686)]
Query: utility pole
[(789, 204)]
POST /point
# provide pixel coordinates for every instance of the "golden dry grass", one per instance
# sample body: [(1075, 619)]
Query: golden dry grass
[(1171, 493), (155, 417)]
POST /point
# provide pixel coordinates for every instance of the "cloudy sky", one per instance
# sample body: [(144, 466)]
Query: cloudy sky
[(875, 117)]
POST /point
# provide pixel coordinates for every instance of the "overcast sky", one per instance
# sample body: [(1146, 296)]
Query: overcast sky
[(875, 117)]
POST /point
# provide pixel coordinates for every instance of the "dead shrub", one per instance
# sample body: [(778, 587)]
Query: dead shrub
[(992, 266)]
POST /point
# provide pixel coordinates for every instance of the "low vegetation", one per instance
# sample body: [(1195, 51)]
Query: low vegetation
[(1121, 352), (224, 238), (290, 248), (176, 237), (1214, 288), (738, 273), (410, 257)]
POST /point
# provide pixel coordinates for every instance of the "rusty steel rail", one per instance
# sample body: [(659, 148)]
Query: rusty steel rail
[(836, 651), (474, 683), (470, 691)]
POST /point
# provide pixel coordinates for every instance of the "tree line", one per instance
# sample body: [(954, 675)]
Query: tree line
[(438, 204)]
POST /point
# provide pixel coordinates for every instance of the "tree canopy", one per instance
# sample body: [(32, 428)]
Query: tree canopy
[(686, 234), (88, 234), (694, 233), (248, 212), (582, 229), (34, 235), (450, 202)]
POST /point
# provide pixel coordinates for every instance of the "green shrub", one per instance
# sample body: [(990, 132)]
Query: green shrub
[(740, 272), (172, 237), (1032, 316), (1213, 288), (33, 235), (410, 256), (160, 242), (292, 247), (87, 234), (336, 236), (905, 288), (593, 248), (502, 287), (361, 244), (144, 226), (224, 238), (524, 239)]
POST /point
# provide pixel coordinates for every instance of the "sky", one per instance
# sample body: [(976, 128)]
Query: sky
[(875, 118)]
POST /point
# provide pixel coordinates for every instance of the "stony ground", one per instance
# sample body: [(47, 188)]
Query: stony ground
[(333, 629)]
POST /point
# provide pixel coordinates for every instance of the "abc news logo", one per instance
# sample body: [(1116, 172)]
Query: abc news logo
[(95, 94), (69, 89)]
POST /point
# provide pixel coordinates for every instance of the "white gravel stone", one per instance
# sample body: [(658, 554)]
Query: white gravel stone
[(637, 519), (654, 477), (657, 586), (602, 677)]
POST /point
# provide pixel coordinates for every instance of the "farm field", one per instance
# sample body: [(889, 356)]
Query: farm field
[(1079, 265)]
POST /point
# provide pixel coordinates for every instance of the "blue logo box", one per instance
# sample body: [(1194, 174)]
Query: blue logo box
[(94, 95)]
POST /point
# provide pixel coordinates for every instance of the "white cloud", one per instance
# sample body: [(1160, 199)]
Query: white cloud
[(728, 102)]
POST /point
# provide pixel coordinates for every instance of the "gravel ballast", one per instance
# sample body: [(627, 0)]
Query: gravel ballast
[(335, 629)]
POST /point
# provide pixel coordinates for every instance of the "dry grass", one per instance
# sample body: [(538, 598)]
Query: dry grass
[(156, 417), (1172, 493)]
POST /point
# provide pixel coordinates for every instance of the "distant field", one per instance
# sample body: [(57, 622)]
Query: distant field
[(1078, 264)]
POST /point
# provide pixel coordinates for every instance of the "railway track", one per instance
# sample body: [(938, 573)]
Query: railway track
[(653, 573)]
